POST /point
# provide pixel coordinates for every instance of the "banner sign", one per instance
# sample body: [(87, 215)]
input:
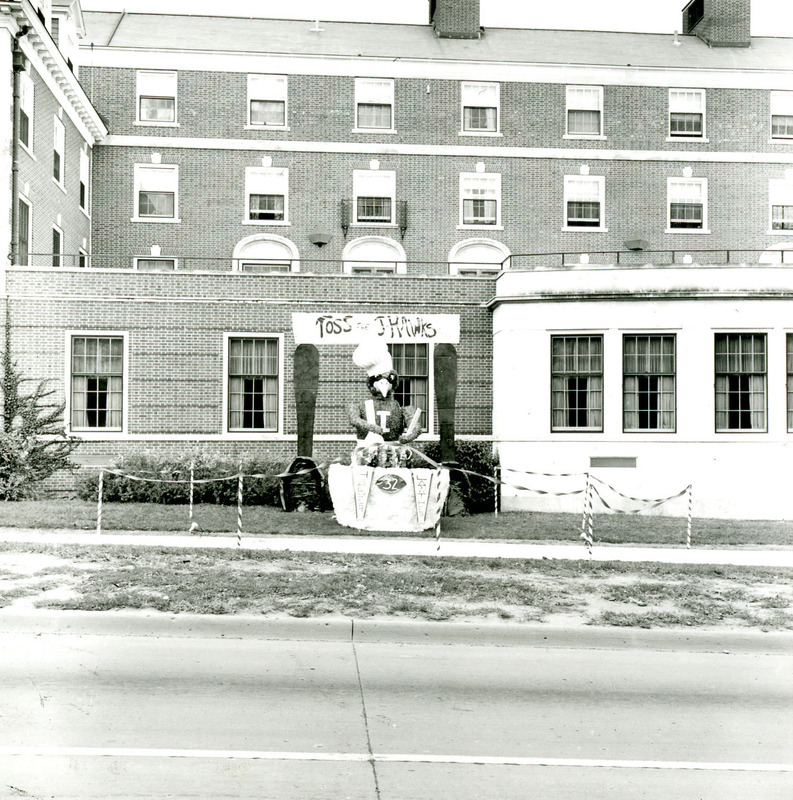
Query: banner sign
[(329, 328)]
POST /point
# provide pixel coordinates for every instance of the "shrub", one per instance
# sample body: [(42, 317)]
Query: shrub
[(477, 493), (161, 469)]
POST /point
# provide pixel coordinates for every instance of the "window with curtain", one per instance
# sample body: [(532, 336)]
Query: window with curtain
[(687, 203), (790, 382), (687, 113), (648, 374), (480, 107), (156, 90), (412, 364), (374, 192), (267, 100), (480, 196), (741, 381), (156, 190), (253, 384), (781, 115), (780, 195), (97, 373), (583, 201), (374, 103), (584, 110), (267, 192), (577, 383)]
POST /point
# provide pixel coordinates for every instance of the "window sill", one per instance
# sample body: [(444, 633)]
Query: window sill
[(146, 124), (373, 225), (741, 430), (27, 150), (687, 231), (85, 212), (59, 185), (687, 139), (486, 134), (788, 233), (374, 130), (781, 140), (583, 229), (599, 137), (576, 430), (277, 223), (480, 227), (250, 127), (157, 220)]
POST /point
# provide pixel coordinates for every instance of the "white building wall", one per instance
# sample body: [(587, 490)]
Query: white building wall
[(736, 474)]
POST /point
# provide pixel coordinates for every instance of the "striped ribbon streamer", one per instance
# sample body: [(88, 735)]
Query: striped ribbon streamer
[(100, 491), (239, 510)]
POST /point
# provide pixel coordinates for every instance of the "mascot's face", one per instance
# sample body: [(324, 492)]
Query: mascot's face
[(383, 385)]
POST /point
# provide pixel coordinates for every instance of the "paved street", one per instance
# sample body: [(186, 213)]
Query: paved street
[(124, 705)]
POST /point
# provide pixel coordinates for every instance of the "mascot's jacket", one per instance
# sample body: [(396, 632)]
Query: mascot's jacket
[(382, 415)]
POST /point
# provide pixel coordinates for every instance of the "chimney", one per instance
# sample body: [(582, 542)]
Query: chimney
[(455, 19), (719, 23)]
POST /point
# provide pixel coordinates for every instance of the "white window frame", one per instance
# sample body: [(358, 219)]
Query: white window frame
[(273, 88), (83, 259), (27, 106), (720, 390), (583, 98), (266, 181), (59, 148), (169, 177), (780, 193), (244, 433), (239, 259), (573, 192), (687, 101), (670, 195), (429, 413), (471, 185), (594, 389), (365, 182), (138, 259), (478, 269), (97, 433), (85, 177), (353, 266), (379, 91), (781, 104), (59, 252), (22, 199), (157, 83), (472, 90)]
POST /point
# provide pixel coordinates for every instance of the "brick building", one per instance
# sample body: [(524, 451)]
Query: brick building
[(598, 222)]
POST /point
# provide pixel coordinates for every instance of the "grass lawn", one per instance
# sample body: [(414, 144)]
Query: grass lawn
[(262, 520), (364, 586)]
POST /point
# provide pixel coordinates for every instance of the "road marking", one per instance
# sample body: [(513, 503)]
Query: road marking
[(402, 758)]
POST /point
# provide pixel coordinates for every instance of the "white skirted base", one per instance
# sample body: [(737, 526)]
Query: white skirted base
[(387, 499)]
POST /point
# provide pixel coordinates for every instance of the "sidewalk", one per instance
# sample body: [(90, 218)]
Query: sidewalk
[(412, 546)]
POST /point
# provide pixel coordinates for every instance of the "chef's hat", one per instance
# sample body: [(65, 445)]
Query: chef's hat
[(373, 356)]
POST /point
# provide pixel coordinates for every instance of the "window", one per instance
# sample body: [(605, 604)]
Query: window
[(23, 232), (155, 264), (740, 382), (374, 255), (253, 371), (97, 374), (374, 104), (26, 110), (374, 196), (583, 201), (156, 94), (648, 374), (57, 247), (687, 203), (687, 113), (480, 199), (82, 258), (476, 258), (156, 193), (84, 175), (480, 107), (584, 111), (577, 383), (790, 382), (780, 195), (781, 115), (411, 362), (265, 252), (266, 192), (267, 101), (58, 141)]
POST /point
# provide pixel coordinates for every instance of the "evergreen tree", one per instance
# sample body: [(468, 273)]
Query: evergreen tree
[(33, 442)]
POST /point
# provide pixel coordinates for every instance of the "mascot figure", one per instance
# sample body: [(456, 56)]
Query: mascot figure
[(381, 424)]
